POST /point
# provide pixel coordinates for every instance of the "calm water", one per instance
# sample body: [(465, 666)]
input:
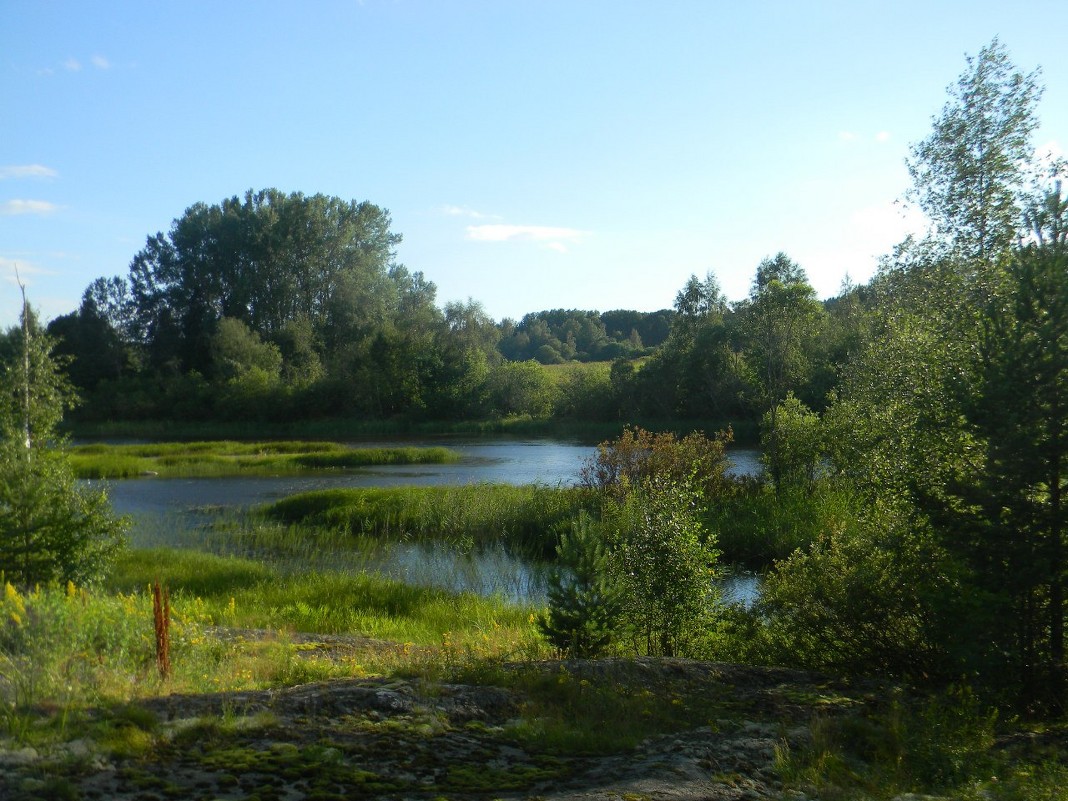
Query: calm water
[(172, 512)]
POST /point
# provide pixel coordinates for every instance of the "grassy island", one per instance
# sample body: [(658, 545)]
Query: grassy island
[(226, 458)]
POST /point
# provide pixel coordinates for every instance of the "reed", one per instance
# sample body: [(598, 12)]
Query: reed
[(526, 518)]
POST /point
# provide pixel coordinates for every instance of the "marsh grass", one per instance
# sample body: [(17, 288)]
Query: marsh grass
[(74, 663), (66, 650), (527, 518), (755, 526), (224, 458)]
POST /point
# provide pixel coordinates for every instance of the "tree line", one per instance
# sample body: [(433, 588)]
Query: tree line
[(274, 306)]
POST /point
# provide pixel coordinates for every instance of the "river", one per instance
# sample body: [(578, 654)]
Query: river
[(173, 512)]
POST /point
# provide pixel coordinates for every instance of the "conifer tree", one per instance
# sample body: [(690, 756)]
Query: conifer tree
[(51, 528)]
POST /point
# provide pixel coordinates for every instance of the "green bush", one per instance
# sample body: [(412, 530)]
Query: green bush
[(662, 562), (859, 600), (757, 526), (51, 529)]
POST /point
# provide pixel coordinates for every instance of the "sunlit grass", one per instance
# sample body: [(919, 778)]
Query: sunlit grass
[(69, 648), (226, 458), (249, 594)]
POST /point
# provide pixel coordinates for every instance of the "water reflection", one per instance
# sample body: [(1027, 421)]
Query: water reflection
[(181, 512)]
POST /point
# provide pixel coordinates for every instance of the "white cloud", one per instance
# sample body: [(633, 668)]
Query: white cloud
[(26, 171), (100, 62), (882, 136), (878, 228), (9, 268), (72, 64), (10, 208), (847, 136), (552, 237)]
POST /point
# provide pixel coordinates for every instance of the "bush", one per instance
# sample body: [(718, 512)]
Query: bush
[(791, 444), (638, 456), (515, 388), (50, 528), (859, 600), (662, 562)]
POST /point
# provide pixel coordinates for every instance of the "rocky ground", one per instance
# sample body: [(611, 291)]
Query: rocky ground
[(422, 739)]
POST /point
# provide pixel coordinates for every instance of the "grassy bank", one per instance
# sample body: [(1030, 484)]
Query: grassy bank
[(752, 526), (67, 647), (250, 594), (225, 458)]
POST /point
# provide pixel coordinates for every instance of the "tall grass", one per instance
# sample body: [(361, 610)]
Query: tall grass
[(746, 432), (224, 458), (526, 518), (248, 594)]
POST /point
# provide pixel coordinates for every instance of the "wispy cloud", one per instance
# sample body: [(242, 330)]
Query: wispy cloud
[(552, 237), (9, 208), (9, 267), (464, 211), (847, 136), (26, 171), (882, 136), (72, 64)]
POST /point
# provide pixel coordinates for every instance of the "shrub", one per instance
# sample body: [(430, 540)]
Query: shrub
[(50, 528), (662, 562), (638, 456), (859, 600)]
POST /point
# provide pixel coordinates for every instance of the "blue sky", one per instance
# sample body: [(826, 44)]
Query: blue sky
[(533, 155)]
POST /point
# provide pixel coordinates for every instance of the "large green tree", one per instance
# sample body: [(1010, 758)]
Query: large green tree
[(267, 259), (1007, 517), (971, 174)]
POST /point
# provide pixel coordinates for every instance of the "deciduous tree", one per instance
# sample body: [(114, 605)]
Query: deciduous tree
[(971, 173)]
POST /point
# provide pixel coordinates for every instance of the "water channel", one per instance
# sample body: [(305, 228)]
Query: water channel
[(174, 512)]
